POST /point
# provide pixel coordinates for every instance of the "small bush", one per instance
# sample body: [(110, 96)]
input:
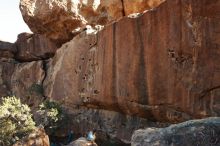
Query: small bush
[(15, 120), (49, 115)]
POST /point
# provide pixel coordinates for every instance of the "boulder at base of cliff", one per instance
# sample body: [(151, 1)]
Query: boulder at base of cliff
[(82, 142), (36, 138), (205, 132)]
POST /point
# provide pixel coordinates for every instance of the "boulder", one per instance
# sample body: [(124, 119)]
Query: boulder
[(61, 20), (164, 66), (191, 133), (32, 47), (37, 138), (82, 142)]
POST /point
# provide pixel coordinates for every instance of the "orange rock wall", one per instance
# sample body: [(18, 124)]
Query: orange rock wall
[(161, 65)]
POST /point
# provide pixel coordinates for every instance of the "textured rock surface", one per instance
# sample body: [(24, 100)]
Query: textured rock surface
[(32, 47), (164, 66), (82, 142), (6, 71), (66, 68), (73, 15), (26, 82), (137, 6), (7, 50), (37, 138), (196, 132)]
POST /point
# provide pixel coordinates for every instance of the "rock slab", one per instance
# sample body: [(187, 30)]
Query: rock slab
[(191, 133)]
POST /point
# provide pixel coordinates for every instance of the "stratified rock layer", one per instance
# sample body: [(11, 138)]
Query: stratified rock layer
[(196, 132), (162, 65), (60, 20), (32, 47)]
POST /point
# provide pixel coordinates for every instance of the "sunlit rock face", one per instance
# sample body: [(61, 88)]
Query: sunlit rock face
[(164, 66), (161, 65), (60, 20), (137, 6)]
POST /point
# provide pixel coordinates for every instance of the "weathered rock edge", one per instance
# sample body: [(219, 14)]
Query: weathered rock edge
[(195, 132)]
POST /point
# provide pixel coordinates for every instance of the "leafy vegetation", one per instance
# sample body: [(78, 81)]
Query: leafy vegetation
[(36, 89), (15, 120), (49, 115)]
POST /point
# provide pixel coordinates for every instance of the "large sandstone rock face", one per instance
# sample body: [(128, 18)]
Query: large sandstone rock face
[(59, 20), (164, 66), (196, 132)]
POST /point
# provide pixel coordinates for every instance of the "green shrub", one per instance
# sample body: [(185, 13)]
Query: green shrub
[(15, 120), (49, 115)]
